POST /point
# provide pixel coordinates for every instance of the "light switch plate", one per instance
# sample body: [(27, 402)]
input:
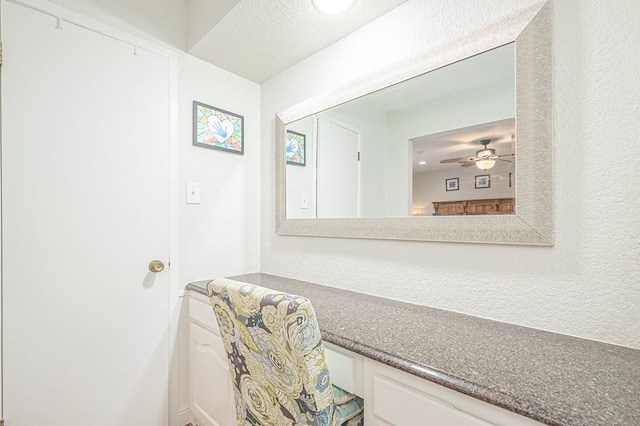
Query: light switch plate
[(193, 193)]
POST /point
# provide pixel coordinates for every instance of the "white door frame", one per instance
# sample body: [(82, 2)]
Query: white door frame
[(1, 302), (174, 289)]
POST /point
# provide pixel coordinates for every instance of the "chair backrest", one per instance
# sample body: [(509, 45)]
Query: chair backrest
[(276, 356)]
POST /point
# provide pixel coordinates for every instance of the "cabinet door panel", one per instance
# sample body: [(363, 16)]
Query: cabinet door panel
[(401, 405), (211, 396), (393, 397)]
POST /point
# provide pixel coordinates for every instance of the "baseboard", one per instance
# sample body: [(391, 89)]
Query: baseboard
[(185, 418)]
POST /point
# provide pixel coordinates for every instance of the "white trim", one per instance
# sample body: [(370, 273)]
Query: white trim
[(176, 291), (1, 251), (185, 416)]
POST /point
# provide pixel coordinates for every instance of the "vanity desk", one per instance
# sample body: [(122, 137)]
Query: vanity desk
[(416, 365)]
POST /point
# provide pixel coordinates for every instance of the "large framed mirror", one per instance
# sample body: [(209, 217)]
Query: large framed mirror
[(452, 145)]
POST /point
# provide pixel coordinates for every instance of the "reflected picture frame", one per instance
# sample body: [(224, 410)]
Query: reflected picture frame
[(452, 184), (296, 150), (483, 181)]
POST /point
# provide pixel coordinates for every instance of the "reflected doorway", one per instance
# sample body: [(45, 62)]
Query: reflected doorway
[(338, 172)]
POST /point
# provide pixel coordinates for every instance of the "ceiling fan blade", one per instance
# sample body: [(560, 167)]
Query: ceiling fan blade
[(458, 160), (468, 164), (502, 159), (507, 155)]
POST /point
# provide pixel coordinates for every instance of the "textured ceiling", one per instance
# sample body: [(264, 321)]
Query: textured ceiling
[(255, 39), (258, 39)]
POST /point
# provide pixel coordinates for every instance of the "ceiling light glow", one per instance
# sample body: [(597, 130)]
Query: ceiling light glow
[(333, 7), (485, 164)]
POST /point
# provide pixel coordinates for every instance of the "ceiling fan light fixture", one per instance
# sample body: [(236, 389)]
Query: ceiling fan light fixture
[(485, 164), (333, 7), (484, 153)]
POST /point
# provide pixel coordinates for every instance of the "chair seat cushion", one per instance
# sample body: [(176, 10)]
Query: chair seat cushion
[(348, 407)]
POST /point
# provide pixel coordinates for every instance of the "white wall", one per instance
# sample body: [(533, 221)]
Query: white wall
[(220, 236), (587, 284), (430, 186), (301, 179), (372, 123), (485, 104), (164, 21)]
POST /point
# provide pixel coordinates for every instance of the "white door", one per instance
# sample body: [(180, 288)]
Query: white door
[(337, 183), (85, 209)]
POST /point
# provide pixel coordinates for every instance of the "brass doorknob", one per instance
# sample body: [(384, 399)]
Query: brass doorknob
[(156, 266)]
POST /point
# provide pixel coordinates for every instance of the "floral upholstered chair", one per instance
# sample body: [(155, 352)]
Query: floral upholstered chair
[(276, 359)]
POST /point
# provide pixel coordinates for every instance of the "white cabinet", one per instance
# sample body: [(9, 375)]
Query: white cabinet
[(210, 391), (393, 397), (346, 368)]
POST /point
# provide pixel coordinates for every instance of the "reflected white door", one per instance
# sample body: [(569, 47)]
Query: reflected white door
[(85, 209), (337, 184)]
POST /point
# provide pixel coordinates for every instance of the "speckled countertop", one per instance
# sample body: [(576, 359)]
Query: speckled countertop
[(552, 378)]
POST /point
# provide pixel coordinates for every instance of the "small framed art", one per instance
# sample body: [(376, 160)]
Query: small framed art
[(218, 129), (452, 184), (296, 148), (483, 181)]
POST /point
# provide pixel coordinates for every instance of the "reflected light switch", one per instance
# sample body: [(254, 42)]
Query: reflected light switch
[(304, 200), (193, 193)]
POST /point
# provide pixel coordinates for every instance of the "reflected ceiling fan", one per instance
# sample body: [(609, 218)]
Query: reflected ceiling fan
[(485, 158)]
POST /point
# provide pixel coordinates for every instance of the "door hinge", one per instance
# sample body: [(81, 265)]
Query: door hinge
[(358, 160), (1, 421)]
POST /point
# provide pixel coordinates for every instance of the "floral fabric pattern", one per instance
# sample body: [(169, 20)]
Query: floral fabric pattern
[(275, 354)]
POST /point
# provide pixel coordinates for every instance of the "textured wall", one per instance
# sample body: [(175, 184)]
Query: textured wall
[(588, 283), (218, 237)]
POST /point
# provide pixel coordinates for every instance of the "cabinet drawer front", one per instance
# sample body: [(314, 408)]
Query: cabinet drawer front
[(397, 398), (200, 311), (401, 405)]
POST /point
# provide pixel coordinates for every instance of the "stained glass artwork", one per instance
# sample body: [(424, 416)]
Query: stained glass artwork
[(216, 128), (296, 148)]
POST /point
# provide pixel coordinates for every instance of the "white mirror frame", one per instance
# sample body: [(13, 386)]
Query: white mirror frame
[(532, 223)]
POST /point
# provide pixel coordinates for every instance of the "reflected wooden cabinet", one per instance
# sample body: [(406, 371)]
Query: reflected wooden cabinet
[(474, 207)]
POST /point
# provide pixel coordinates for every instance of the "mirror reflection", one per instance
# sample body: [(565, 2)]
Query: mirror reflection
[(442, 143)]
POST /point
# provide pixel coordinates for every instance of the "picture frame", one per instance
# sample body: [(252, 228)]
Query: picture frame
[(483, 181), (296, 148), (217, 128), (452, 184)]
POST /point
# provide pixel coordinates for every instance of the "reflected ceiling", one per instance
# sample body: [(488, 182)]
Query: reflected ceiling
[(460, 143)]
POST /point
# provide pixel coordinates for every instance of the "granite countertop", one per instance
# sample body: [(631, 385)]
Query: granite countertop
[(549, 377)]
